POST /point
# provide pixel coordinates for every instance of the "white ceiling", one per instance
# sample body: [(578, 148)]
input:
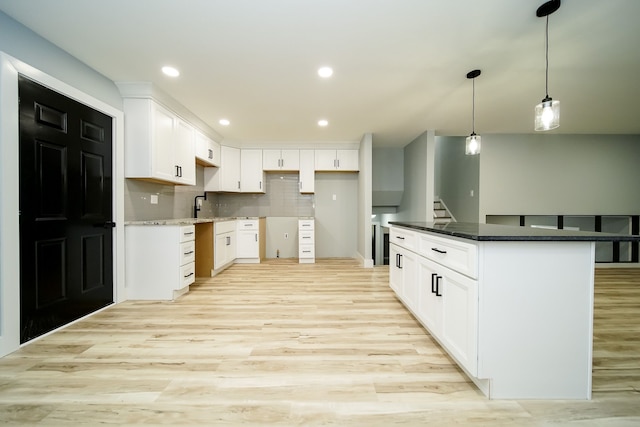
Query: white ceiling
[(400, 65)]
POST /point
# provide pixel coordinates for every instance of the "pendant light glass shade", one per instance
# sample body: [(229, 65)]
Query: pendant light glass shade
[(547, 115), (547, 112), (472, 145)]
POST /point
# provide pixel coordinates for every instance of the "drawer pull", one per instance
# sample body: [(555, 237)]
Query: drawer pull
[(188, 253), (438, 294), (440, 251), (188, 275), (306, 252), (187, 233), (400, 237)]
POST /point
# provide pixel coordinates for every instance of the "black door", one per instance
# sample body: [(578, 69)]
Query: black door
[(66, 254)]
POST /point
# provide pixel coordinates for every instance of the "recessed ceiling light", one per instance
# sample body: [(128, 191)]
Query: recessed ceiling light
[(323, 122), (325, 72), (224, 122), (170, 71)]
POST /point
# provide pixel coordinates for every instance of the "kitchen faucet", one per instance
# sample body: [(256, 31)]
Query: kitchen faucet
[(196, 208)]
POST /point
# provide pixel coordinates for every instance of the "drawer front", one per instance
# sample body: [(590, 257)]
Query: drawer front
[(247, 224), (403, 238), (306, 251), (187, 274), (305, 224), (224, 227), (306, 237), (458, 256), (187, 252), (187, 233)]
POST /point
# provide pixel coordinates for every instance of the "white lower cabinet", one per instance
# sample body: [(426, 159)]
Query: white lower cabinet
[(306, 241), (447, 304), (224, 249), (248, 237), (160, 261), (443, 300), (515, 315)]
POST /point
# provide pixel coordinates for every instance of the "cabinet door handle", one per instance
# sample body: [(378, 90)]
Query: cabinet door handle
[(260, 185), (238, 185), (256, 237), (438, 294), (228, 240), (399, 260), (433, 276), (210, 153), (440, 251), (400, 237)]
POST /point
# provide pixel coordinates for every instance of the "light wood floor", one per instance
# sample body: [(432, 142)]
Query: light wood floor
[(286, 344)]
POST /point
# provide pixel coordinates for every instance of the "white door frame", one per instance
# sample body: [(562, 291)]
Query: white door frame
[(10, 191)]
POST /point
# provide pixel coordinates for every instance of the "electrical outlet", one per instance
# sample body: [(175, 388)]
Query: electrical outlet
[(154, 199)]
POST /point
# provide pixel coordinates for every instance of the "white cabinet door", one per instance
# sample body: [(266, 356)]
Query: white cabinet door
[(429, 309), (248, 244), (184, 153), (336, 160), (271, 160), (290, 160), (164, 122), (403, 275), (158, 144), (207, 150), (460, 317), (251, 173), (225, 178), (307, 171), (325, 160), (348, 160), (224, 250)]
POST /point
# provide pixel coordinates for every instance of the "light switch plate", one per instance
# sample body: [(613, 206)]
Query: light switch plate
[(154, 199)]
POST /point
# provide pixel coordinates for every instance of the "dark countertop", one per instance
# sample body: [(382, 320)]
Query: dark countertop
[(492, 232)]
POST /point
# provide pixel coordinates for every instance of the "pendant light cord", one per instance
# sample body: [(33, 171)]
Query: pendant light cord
[(473, 107), (546, 56)]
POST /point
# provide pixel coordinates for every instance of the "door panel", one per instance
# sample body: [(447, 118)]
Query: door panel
[(66, 254)]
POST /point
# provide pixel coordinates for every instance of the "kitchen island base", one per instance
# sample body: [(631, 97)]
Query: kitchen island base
[(517, 316)]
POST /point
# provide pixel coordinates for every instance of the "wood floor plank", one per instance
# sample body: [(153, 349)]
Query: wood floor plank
[(286, 344)]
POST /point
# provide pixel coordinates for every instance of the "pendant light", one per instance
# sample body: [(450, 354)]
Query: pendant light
[(472, 145), (547, 113)]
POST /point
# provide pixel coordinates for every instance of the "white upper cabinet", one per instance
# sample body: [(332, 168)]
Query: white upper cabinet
[(281, 160), (158, 144), (207, 150), (225, 178), (336, 160), (251, 173), (307, 171)]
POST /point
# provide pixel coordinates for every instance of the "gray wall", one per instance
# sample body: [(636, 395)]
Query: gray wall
[(365, 249), (25, 45), (456, 176), (414, 199), (547, 174), (336, 224)]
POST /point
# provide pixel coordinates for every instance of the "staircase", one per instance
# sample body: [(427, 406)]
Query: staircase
[(441, 214)]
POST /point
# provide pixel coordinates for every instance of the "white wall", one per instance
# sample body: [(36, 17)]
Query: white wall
[(547, 174)]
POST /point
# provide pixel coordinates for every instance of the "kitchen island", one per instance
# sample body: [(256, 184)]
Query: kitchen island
[(513, 306)]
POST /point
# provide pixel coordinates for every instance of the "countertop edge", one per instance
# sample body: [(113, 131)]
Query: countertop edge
[(491, 232)]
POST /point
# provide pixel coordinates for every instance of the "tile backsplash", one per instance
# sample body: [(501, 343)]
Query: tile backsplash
[(282, 199)]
